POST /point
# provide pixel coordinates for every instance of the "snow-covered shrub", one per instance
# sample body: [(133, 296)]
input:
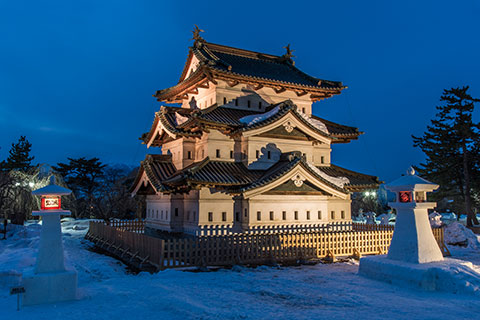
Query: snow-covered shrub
[(459, 235)]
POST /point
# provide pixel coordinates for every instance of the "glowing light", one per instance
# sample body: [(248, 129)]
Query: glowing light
[(31, 184)]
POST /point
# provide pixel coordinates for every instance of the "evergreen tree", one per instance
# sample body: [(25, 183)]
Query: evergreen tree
[(451, 145), (84, 177), (19, 156)]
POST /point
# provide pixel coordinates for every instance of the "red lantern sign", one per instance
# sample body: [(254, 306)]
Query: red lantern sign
[(51, 203), (405, 196)]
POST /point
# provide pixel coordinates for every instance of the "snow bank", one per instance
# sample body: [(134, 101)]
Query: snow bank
[(450, 275), (338, 181), (457, 234), (435, 219), (255, 118)]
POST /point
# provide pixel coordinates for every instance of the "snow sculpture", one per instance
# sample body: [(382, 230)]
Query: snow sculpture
[(414, 257), (50, 281), (413, 239)]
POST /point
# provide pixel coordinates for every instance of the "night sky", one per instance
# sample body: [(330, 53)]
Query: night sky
[(77, 77)]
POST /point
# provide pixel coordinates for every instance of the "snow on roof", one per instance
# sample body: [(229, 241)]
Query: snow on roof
[(411, 181), (52, 189), (338, 181), (314, 122), (255, 118)]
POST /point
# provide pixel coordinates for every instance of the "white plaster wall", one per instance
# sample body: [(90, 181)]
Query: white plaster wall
[(213, 141), (215, 202), (158, 212), (321, 150), (267, 96), (299, 203)]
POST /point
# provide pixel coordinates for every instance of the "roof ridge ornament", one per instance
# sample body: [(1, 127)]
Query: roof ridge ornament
[(289, 54), (411, 171), (196, 35)]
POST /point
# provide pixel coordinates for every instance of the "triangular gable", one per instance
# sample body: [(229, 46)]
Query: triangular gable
[(299, 174), (281, 132), (289, 122), (289, 187)]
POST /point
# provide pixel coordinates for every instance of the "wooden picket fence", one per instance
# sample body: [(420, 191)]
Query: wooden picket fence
[(144, 251)]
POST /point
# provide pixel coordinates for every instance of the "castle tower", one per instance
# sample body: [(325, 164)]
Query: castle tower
[(242, 150)]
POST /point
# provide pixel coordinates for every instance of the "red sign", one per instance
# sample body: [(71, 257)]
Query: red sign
[(405, 196), (51, 203)]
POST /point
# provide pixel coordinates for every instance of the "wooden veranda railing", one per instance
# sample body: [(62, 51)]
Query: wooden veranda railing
[(142, 250)]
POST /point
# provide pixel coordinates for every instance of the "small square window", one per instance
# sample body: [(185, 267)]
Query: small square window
[(269, 154), (303, 110), (332, 215), (224, 216), (189, 154), (308, 215), (342, 214), (237, 216), (259, 215), (257, 154), (319, 215), (271, 215), (176, 212), (322, 159), (260, 105), (245, 212), (218, 153), (249, 104), (231, 154), (236, 102), (296, 215), (210, 216), (284, 215), (224, 100)]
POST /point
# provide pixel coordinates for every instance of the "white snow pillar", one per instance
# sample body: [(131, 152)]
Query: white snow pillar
[(50, 253)]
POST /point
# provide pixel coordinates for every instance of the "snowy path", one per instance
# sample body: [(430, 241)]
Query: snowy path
[(307, 292)]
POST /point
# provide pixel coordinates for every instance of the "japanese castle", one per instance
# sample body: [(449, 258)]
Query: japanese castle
[(243, 152)]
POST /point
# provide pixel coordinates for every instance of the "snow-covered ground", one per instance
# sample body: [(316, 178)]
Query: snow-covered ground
[(322, 291)]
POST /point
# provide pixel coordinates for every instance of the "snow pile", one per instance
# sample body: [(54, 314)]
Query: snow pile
[(435, 219), (459, 235), (179, 119), (385, 218), (314, 122), (338, 181), (370, 217), (255, 118)]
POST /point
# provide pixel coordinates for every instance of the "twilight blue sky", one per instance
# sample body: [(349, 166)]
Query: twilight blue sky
[(77, 77)]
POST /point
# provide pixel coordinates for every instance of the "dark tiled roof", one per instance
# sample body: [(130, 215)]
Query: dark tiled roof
[(235, 177), (230, 119), (288, 162), (339, 130), (257, 66), (212, 172), (284, 108), (157, 168), (358, 181), (220, 115)]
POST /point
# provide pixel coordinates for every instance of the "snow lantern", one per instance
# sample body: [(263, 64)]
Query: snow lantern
[(50, 281), (413, 239)]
